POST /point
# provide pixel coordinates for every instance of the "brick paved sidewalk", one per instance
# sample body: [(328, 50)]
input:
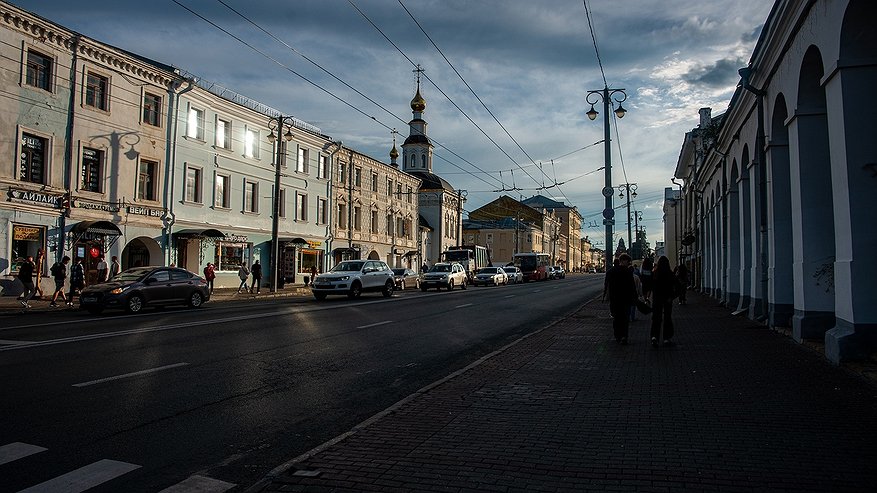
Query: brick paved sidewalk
[(731, 407)]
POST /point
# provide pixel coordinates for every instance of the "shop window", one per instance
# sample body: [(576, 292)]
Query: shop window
[(230, 256), (92, 163), (310, 259), (34, 157), (26, 241)]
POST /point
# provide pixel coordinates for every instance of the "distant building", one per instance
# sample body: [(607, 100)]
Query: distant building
[(508, 226), (566, 247)]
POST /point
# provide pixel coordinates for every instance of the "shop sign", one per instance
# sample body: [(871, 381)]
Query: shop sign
[(96, 206), (35, 197), (315, 244), (237, 238), (145, 211), (26, 233)]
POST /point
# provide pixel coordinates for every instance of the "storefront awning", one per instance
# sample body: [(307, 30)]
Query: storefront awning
[(410, 253), (296, 241), (200, 233), (343, 250), (97, 227)]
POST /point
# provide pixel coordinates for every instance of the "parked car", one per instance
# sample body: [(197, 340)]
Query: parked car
[(134, 289), (551, 272), (559, 273), (444, 275), (406, 278), (592, 270), (514, 273), (490, 276), (354, 277)]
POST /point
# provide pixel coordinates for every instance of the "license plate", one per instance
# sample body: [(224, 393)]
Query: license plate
[(323, 286), (89, 299)]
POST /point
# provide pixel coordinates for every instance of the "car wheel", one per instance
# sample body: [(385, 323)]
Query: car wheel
[(388, 289), (134, 304), (320, 296), (450, 284), (423, 288), (196, 299), (95, 310), (355, 291), (463, 286)]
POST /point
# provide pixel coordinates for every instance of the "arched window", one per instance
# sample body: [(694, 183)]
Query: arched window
[(423, 161)]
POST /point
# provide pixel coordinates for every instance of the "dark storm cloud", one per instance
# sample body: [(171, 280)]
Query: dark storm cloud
[(721, 73)]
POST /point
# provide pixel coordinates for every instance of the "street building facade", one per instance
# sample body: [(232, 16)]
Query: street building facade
[(566, 241), (777, 197), (508, 226)]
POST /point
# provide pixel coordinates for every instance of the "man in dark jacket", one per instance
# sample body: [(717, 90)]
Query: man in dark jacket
[(257, 277), (620, 287), (25, 275)]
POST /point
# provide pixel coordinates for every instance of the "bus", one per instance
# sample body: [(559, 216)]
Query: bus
[(534, 266)]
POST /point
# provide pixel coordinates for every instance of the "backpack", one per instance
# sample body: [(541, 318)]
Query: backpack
[(56, 269)]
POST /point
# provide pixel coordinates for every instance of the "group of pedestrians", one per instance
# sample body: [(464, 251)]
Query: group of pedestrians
[(30, 276), (651, 289), (244, 274)]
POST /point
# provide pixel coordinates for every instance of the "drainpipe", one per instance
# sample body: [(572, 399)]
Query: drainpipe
[(677, 241), (68, 155), (330, 213), (350, 169), (745, 74), (170, 159)]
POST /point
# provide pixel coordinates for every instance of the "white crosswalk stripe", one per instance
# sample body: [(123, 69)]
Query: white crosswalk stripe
[(84, 478), (17, 450), (199, 484)]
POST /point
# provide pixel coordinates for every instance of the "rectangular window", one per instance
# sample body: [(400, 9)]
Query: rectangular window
[(220, 192), (195, 124), (342, 216), (322, 169), (410, 194), (34, 154), (357, 177), (301, 166), (92, 163), (301, 207), (39, 70), (152, 109), (374, 182), (357, 218), (193, 185), (223, 133), (390, 225), (342, 172), (231, 256), (389, 187), (281, 207), (251, 196), (374, 222), (147, 178), (251, 144), (322, 209), (399, 191), (97, 91)]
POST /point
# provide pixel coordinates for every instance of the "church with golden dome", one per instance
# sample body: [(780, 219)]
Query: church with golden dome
[(441, 207)]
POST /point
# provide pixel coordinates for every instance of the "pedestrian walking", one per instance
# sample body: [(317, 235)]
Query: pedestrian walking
[(257, 276), (244, 274), (115, 267), (25, 275), (102, 270), (666, 287), (59, 274), (313, 274), (77, 281), (639, 294), (682, 275), (210, 275), (38, 272), (619, 285), (645, 277)]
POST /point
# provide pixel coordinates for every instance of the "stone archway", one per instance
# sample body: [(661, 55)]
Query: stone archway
[(141, 252), (812, 205), (745, 231), (781, 295), (733, 270), (373, 255)]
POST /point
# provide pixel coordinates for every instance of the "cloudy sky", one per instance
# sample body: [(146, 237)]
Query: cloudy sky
[(531, 63)]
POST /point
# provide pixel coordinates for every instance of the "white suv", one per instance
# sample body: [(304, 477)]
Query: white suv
[(353, 277), (444, 275)]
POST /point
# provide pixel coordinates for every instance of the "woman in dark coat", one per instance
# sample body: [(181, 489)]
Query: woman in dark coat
[(664, 286), (620, 287)]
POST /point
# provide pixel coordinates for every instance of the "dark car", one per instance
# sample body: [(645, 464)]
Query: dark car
[(406, 278), (136, 288)]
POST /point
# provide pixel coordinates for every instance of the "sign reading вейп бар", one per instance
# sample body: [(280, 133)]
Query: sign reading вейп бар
[(145, 211), (35, 197)]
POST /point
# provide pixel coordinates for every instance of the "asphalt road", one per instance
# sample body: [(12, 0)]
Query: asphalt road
[(229, 391)]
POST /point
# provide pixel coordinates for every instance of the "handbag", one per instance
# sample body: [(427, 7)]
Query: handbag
[(643, 306)]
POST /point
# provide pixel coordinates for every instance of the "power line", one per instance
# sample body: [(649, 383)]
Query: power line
[(594, 39)]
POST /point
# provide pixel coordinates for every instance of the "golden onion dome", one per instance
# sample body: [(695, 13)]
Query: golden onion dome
[(418, 103), (394, 153)]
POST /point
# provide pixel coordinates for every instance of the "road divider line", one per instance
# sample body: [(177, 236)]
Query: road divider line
[(375, 324), (127, 375), (509, 296), (84, 478), (199, 484), (15, 343), (464, 306), (14, 451)]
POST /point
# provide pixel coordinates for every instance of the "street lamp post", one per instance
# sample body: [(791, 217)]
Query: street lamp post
[(630, 194), (607, 96), (277, 125)]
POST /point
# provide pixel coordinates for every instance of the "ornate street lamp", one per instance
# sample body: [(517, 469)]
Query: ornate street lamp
[(277, 125), (608, 96)]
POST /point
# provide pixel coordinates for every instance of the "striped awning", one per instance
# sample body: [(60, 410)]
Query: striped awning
[(97, 227)]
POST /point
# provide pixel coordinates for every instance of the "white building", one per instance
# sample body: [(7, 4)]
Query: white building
[(779, 196)]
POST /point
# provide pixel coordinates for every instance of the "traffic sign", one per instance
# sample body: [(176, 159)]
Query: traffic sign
[(608, 213), (608, 191)]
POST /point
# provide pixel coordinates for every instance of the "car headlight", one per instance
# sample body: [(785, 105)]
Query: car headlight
[(344, 278), (119, 290)]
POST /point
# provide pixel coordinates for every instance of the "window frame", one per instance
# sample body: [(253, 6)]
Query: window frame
[(322, 167), (138, 192), (281, 206), (198, 185), (322, 207), (357, 176), (33, 82), (200, 123), (46, 157), (104, 103), (226, 191), (301, 207), (156, 112), (98, 164), (301, 161), (252, 147), (251, 204), (226, 134)]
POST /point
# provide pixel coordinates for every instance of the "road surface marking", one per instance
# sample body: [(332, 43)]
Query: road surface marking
[(537, 290), (375, 324), (199, 484), (464, 306), (132, 374), (510, 296), (15, 343), (18, 450), (84, 478)]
